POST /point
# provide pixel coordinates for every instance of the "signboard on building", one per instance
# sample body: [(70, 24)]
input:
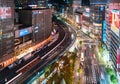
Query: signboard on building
[(23, 32), (5, 12), (115, 23), (104, 27), (118, 59)]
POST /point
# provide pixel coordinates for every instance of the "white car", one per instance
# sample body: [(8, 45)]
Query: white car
[(82, 56)]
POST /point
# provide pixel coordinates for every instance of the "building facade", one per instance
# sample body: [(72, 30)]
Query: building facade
[(90, 16), (41, 21), (97, 18), (33, 27), (113, 32), (6, 32)]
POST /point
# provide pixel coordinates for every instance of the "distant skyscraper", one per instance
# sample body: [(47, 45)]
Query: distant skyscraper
[(42, 3)]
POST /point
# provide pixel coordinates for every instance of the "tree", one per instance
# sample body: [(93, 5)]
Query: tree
[(110, 71), (113, 79), (80, 42)]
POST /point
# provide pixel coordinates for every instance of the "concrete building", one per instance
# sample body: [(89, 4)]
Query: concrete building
[(33, 26), (90, 16), (39, 19), (113, 31), (6, 32), (97, 18)]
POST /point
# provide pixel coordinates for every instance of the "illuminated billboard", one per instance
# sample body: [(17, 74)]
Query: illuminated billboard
[(104, 27), (5, 12), (24, 32), (115, 23), (118, 59)]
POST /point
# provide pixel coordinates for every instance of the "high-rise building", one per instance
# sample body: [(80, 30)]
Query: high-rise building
[(91, 15), (113, 31), (76, 4), (86, 19), (41, 21), (6, 32), (34, 27), (97, 18), (76, 12), (42, 3)]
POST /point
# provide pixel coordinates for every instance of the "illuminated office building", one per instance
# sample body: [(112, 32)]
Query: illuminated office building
[(42, 3), (6, 32), (33, 27), (40, 19), (77, 12), (86, 19), (98, 16), (113, 32), (93, 17)]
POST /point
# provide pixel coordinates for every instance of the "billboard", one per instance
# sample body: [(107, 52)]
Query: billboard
[(24, 32), (118, 59), (5, 12), (115, 23)]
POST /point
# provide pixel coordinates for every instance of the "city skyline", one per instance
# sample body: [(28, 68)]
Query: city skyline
[(70, 41)]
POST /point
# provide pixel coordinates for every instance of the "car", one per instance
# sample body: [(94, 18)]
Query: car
[(82, 56)]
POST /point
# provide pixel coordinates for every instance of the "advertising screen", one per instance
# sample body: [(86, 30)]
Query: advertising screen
[(5, 12), (104, 26), (23, 32), (115, 23), (118, 59)]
